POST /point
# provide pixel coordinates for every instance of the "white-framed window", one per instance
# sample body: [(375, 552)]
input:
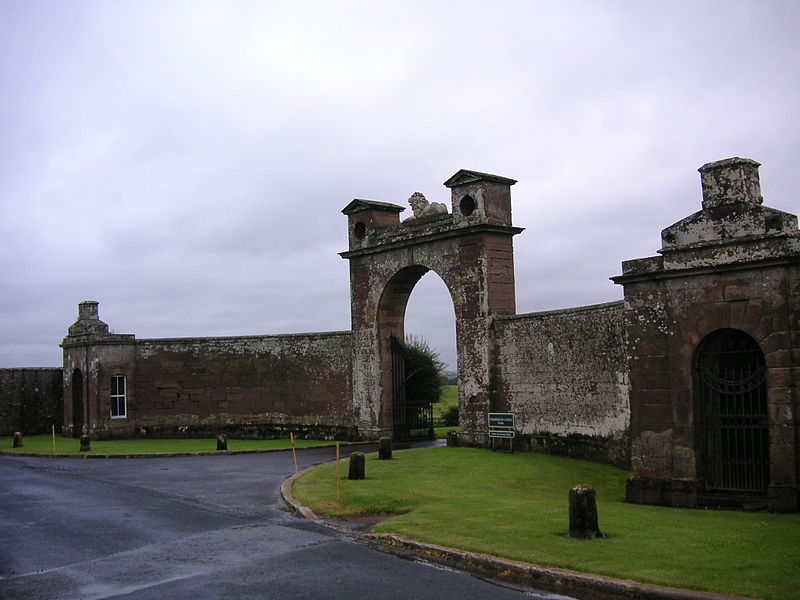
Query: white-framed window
[(119, 404)]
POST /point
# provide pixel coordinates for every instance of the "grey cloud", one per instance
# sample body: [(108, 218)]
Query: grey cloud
[(185, 164)]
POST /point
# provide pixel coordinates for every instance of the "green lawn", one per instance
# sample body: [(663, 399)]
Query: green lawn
[(515, 506), (441, 432), (44, 444)]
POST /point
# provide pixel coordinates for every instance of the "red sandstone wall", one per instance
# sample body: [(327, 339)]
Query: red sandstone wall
[(30, 400), (199, 385)]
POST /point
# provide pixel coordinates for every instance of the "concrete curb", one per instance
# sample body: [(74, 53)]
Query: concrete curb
[(560, 581), (178, 454), (286, 492)]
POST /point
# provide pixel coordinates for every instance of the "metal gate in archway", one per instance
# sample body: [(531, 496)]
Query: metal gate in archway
[(733, 399), (412, 417)]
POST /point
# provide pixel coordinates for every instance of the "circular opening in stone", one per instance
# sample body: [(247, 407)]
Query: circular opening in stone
[(467, 206), (360, 230)]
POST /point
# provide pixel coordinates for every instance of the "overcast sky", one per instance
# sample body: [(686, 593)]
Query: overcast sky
[(185, 163)]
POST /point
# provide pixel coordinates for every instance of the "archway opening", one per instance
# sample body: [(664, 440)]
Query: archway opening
[(731, 402), (429, 323), (77, 403)]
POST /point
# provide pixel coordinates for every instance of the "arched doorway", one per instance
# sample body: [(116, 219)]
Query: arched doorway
[(402, 414), (731, 398), (77, 403)]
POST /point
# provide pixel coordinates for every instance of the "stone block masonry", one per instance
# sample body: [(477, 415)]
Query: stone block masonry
[(289, 382), (31, 400), (254, 386), (564, 375)]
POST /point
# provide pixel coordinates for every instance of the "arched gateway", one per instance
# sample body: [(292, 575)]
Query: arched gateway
[(471, 249)]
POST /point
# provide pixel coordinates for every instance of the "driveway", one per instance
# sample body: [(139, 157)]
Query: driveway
[(192, 528)]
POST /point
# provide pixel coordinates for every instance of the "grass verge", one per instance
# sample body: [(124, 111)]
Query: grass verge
[(441, 432), (515, 506), (44, 444)]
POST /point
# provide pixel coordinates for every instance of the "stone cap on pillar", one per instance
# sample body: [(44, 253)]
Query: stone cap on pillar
[(733, 227), (480, 198), (730, 181), (89, 327), (366, 217)]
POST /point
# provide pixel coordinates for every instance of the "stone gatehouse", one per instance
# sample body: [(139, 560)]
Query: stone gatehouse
[(690, 382)]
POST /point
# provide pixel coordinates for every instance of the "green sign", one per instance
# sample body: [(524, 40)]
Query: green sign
[(501, 420), (499, 433)]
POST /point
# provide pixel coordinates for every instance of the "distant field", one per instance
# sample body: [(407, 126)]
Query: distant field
[(44, 444), (449, 398)]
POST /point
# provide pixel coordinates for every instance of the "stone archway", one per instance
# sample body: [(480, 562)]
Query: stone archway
[(471, 249)]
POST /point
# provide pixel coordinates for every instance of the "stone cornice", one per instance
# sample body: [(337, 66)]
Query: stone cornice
[(397, 241)]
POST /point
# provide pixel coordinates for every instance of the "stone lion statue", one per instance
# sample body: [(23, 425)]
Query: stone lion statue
[(423, 208)]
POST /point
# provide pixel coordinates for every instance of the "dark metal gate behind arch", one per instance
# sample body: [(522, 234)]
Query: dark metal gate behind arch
[(412, 417), (732, 386)]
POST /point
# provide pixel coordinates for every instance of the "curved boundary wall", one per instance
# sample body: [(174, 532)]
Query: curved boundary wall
[(254, 386)]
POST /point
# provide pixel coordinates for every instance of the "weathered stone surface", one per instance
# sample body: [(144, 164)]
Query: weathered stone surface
[(583, 513), (86, 444), (17, 441), (188, 386), (222, 442), (564, 375), (422, 208), (357, 469), (30, 400), (471, 250), (385, 448), (731, 266)]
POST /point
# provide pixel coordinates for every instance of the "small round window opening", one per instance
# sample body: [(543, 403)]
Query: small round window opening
[(360, 230), (467, 205)]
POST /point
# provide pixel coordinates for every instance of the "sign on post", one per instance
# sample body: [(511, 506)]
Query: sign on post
[(501, 425), (501, 420), (497, 433)]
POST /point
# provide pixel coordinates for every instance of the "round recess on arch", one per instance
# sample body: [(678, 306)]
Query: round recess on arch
[(360, 230), (467, 205)]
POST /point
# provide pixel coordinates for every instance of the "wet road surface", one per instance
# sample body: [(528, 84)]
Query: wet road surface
[(192, 528)]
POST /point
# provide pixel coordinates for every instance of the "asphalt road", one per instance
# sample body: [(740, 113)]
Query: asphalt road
[(193, 528)]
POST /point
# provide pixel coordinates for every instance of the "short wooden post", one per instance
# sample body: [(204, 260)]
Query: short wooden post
[(17, 443), (53, 428), (222, 442), (86, 445), (294, 452), (385, 448), (338, 476), (357, 466), (583, 513)]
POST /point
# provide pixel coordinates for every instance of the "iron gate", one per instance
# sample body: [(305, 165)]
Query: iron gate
[(732, 385), (413, 417)]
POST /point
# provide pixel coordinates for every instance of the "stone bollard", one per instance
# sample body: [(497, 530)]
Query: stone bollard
[(222, 442), (86, 445), (583, 513), (452, 439), (385, 448), (357, 466), (17, 443)]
